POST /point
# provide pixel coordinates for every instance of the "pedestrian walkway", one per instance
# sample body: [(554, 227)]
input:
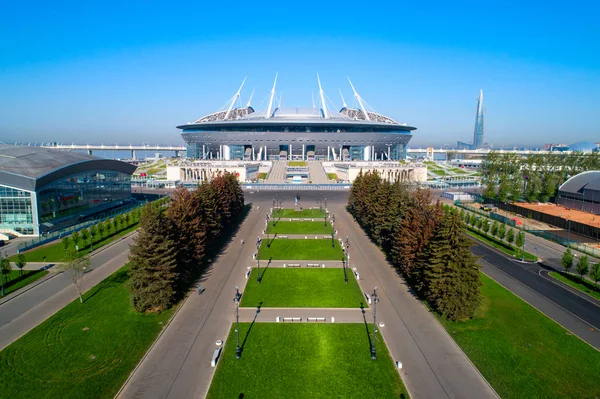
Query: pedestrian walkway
[(339, 315), (316, 173), (277, 172)]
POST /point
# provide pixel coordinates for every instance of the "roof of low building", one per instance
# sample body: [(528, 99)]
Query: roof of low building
[(584, 181), (30, 168)]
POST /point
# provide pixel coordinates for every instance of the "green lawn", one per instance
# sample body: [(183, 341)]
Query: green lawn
[(61, 359), (288, 227), (297, 164), (522, 353), (307, 249), (576, 282), (302, 288), (501, 245), (55, 252), (14, 281), (293, 213), (305, 361)]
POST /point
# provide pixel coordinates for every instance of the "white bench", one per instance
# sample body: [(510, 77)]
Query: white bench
[(313, 265), (315, 319), (248, 273), (368, 298), (291, 265), (292, 319), (215, 357)]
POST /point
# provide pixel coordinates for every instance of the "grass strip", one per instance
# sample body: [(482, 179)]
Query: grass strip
[(14, 280), (302, 288), (502, 246), (307, 249), (84, 350), (576, 282), (299, 227), (300, 213), (305, 361), (55, 252), (521, 352), (296, 163)]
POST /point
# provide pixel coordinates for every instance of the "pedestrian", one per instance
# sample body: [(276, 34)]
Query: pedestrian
[(242, 242)]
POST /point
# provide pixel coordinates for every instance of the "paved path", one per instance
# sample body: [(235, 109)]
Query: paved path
[(178, 365), (20, 314), (433, 364)]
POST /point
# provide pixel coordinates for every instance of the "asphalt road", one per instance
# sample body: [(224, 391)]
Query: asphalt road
[(529, 281)]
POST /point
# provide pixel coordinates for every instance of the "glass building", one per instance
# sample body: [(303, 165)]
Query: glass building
[(42, 190)]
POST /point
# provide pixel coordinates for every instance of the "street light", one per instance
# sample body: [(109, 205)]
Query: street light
[(375, 300), (236, 299), (347, 260), (258, 278), (268, 242)]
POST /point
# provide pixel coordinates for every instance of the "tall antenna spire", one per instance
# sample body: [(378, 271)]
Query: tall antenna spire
[(234, 99), (325, 113), (250, 99), (479, 123), (357, 96), (343, 101), (270, 107)]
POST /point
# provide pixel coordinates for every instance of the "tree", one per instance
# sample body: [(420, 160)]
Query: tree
[(128, 219), (583, 266), (74, 266), (479, 223), (473, 220), (495, 228), (451, 274), (93, 233), (20, 263), (101, 229), (5, 267), (510, 236), (520, 240), (85, 236), (153, 263), (114, 224), (76, 238), (502, 231), (486, 226), (567, 259), (66, 243), (595, 273)]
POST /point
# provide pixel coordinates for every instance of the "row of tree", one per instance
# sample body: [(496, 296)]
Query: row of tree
[(423, 240), (536, 178), (172, 248), (583, 266), (498, 230)]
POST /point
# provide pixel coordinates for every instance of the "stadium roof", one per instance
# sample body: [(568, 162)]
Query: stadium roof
[(579, 184), (361, 114), (30, 168)]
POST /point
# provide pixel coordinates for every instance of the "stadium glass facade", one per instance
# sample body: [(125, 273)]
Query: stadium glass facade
[(63, 202)]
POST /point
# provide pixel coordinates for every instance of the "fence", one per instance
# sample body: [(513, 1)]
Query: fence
[(296, 187), (593, 251), (36, 242)]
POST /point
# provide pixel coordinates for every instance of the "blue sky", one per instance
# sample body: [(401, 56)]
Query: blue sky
[(129, 71)]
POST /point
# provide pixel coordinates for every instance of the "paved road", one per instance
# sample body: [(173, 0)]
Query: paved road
[(572, 310), (20, 314)]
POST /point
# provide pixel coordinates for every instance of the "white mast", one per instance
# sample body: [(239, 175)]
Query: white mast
[(325, 113), (234, 99), (343, 101), (270, 107), (357, 96), (250, 99)]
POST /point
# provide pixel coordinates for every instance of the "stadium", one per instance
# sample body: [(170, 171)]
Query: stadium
[(306, 134)]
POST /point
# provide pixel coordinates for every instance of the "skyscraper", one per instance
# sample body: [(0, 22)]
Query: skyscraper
[(479, 116)]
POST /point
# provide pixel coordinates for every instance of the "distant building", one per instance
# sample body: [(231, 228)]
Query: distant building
[(583, 146), (43, 190), (555, 147), (479, 123)]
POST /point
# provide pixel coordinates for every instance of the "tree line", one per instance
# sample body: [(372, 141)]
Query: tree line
[(423, 240), (536, 178), (173, 246), (498, 230)]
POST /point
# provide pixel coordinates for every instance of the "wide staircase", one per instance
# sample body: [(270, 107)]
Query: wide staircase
[(277, 173), (316, 173)]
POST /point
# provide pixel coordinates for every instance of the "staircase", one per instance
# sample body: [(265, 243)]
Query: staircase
[(316, 173), (277, 173)]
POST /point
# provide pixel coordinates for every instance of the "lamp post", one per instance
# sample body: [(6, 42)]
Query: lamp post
[(375, 300), (267, 228), (45, 265), (347, 260), (2, 273), (258, 278), (236, 299)]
